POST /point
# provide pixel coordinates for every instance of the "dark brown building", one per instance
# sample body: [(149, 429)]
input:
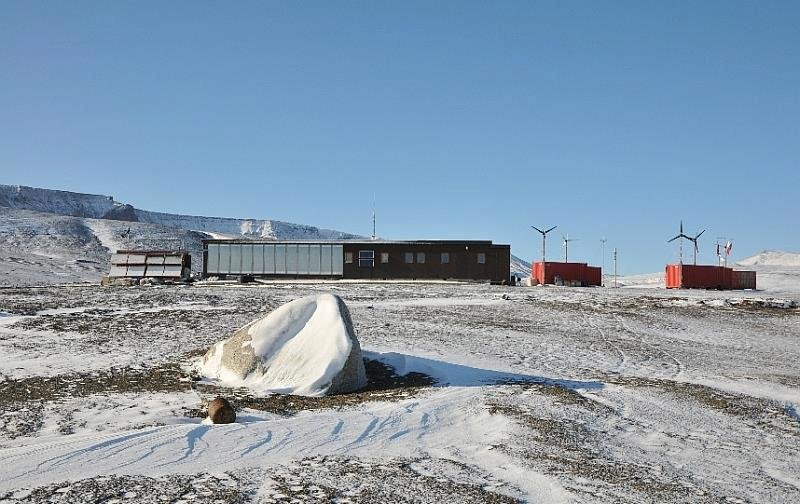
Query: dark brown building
[(365, 259)]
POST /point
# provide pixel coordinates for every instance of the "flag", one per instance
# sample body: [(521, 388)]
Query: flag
[(728, 247)]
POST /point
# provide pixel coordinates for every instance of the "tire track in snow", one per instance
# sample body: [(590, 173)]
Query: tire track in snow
[(620, 354), (678, 364)]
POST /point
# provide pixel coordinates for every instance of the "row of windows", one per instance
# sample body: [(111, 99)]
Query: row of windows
[(366, 258)]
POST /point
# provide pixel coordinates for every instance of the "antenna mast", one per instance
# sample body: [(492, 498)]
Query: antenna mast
[(374, 235)]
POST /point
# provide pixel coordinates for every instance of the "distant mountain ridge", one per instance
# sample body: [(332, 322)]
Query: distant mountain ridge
[(95, 206), (772, 258)]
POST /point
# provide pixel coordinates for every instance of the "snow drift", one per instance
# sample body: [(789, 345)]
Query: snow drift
[(305, 347)]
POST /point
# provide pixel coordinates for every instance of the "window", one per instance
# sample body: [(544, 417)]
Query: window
[(421, 257), (348, 257), (445, 257), (384, 257), (481, 258), (409, 257), (366, 258)]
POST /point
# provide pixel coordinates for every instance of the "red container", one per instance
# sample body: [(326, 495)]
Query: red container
[(744, 279), (593, 275), (688, 276), (567, 273)]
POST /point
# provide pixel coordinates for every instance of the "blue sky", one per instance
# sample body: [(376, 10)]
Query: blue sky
[(465, 120)]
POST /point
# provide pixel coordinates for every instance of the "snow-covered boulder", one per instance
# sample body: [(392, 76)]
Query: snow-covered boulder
[(305, 347)]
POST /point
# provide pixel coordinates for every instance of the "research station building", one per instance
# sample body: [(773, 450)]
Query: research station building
[(365, 259)]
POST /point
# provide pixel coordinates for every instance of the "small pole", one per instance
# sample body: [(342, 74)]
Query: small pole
[(374, 235), (615, 267), (602, 270)]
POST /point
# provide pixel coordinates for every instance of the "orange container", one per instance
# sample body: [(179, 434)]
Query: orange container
[(567, 273), (689, 276)]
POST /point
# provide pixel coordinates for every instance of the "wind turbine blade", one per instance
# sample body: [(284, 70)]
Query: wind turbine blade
[(681, 226), (673, 239), (698, 234), (537, 229), (552, 228)]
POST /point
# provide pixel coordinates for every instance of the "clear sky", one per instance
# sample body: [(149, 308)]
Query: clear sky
[(465, 120)]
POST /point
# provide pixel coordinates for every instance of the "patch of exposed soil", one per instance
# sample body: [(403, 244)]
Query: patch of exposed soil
[(761, 413), (336, 479), (383, 384), (22, 400), (201, 488)]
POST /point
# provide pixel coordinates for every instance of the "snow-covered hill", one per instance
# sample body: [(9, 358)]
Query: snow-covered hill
[(39, 248), (57, 202), (105, 207), (520, 267), (772, 258), (777, 270), (49, 236)]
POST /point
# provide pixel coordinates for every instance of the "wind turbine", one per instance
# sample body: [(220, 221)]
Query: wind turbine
[(544, 238), (681, 236), (567, 239), (694, 241)]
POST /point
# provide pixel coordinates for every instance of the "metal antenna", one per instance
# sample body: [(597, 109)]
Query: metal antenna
[(374, 235), (567, 239), (720, 259), (544, 238), (615, 267), (603, 247)]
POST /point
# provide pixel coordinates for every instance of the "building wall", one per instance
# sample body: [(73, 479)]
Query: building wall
[(443, 260), (465, 260)]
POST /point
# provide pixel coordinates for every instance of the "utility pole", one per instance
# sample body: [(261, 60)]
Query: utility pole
[(615, 267), (603, 269)]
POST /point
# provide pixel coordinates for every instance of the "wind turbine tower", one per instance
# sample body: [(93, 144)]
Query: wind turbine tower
[(544, 239), (694, 242), (567, 239), (680, 236)]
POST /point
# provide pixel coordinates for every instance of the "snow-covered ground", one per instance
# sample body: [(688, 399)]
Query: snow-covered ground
[(541, 394)]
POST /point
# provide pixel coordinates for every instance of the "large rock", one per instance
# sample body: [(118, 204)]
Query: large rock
[(220, 411), (305, 347)]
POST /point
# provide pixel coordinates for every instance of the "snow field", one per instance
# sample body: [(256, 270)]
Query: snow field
[(551, 395)]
